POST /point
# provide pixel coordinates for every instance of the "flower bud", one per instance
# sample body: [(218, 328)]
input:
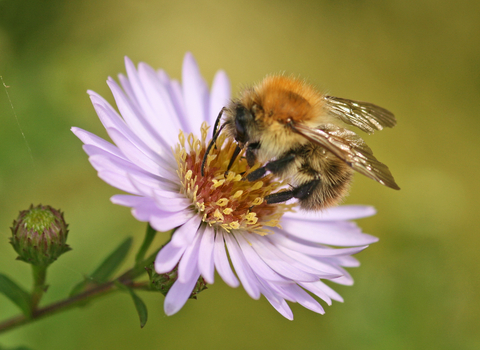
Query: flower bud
[(163, 282), (39, 235)]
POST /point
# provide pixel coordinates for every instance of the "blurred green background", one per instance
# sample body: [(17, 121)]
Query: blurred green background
[(418, 288)]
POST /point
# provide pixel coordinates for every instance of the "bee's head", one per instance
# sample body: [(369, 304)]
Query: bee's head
[(241, 123)]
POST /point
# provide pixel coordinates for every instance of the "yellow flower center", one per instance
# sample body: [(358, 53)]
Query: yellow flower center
[(226, 199)]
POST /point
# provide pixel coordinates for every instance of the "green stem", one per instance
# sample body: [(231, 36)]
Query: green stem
[(39, 287), (79, 299), (149, 236)]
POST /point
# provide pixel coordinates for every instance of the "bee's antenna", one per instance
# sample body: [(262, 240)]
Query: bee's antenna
[(214, 139), (217, 121)]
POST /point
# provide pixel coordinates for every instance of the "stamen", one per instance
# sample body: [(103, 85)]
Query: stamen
[(222, 202), (217, 183), (257, 185), (237, 194), (257, 201)]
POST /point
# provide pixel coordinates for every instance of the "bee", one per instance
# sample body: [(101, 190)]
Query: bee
[(300, 135)]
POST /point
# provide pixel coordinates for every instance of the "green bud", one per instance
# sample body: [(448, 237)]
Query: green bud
[(163, 282), (39, 235)]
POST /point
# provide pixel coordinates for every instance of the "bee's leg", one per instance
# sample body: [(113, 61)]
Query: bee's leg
[(300, 192), (275, 166), (305, 190), (279, 197), (257, 174)]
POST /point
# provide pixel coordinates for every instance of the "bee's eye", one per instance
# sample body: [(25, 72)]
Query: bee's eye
[(242, 117), (240, 130)]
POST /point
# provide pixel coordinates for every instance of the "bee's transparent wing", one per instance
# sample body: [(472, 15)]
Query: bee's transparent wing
[(348, 146), (364, 115)]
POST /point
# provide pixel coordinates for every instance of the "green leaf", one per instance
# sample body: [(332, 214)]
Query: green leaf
[(112, 262), (16, 294), (141, 308), (106, 269), (139, 304), (149, 236), (79, 287), (16, 348)]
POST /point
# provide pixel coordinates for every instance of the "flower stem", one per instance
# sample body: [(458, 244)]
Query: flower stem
[(76, 300), (39, 287)]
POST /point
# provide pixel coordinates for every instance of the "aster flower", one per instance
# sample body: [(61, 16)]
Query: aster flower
[(160, 138)]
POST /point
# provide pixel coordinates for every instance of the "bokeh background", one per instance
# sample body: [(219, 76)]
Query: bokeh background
[(418, 288)]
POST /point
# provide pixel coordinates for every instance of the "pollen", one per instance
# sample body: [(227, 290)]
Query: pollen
[(226, 200), (227, 211), (222, 202)]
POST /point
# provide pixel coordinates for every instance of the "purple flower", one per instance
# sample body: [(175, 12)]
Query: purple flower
[(160, 138)]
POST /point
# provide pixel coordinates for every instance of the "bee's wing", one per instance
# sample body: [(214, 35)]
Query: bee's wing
[(348, 146), (364, 115)]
